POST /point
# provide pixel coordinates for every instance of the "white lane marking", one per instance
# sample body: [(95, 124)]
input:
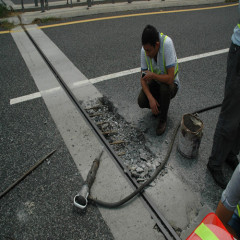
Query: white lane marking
[(32, 96), (25, 98), (203, 55), (114, 75)]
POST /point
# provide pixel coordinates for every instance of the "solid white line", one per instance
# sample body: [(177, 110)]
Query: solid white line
[(32, 96), (115, 75), (199, 56), (25, 98), (136, 70)]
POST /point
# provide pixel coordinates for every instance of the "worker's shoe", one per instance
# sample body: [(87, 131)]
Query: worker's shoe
[(232, 162), (218, 176), (161, 127)]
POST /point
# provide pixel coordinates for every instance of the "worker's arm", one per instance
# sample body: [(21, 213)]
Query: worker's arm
[(152, 101), (229, 200), (163, 78), (225, 215)]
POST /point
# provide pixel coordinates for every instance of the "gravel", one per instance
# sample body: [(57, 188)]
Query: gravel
[(131, 148)]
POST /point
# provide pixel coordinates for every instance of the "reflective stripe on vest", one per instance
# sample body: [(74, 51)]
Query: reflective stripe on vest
[(163, 38), (238, 208), (205, 233)]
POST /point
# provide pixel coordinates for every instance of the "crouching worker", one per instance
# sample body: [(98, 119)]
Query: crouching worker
[(159, 69)]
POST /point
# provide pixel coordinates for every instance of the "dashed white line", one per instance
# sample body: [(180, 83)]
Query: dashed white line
[(114, 75)]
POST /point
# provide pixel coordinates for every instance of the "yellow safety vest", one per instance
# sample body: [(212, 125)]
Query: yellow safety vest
[(205, 233), (162, 41), (238, 208), (239, 25)]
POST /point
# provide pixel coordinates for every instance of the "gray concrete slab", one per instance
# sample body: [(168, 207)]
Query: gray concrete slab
[(65, 68), (203, 213)]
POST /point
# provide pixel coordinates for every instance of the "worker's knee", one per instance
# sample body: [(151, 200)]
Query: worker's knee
[(164, 89), (143, 100)]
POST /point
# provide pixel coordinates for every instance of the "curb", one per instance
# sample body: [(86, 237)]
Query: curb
[(70, 12)]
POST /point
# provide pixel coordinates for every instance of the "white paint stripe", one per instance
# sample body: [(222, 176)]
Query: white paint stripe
[(199, 56), (51, 90), (25, 98), (115, 75), (136, 70), (81, 83), (107, 77), (32, 96)]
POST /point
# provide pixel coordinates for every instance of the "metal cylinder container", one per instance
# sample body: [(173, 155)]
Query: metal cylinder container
[(190, 135)]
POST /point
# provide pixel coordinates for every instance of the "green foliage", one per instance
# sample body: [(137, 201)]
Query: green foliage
[(6, 25), (229, 1), (45, 20), (4, 12)]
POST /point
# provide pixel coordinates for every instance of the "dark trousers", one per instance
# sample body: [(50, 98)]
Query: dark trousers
[(163, 93), (226, 141)]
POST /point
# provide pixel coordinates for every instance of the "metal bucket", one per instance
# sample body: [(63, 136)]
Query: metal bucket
[(190, 136)]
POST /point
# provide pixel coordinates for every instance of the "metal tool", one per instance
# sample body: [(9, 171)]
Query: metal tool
[(80, 200)]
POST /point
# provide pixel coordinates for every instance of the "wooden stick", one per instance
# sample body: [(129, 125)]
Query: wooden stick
[(109, 132), (95, 115), (117, 142), (25, 175), (121, 153)]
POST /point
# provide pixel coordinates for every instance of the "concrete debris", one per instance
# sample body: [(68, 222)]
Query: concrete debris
[(157, 162), (137, 158), (141, 180), (148, 164), (152, 184), (143, 156), (139, 170)]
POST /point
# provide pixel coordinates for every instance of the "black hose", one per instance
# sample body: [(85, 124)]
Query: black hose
[(155, 174), (207, 108), (138, 190)]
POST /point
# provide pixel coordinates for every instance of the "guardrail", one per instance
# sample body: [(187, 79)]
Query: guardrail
[(44, 4)]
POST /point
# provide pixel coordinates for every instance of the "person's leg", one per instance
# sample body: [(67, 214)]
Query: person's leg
[(163, 97), (234, 223), (143, 100), (232, 159), (165, 94), (42, 5), (229, 119)]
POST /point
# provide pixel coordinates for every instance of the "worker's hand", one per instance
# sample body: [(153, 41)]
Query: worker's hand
[(148, 77), (154, 105)]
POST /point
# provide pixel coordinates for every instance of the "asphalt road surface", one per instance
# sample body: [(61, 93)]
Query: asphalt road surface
[(110, 45), (113, 45)]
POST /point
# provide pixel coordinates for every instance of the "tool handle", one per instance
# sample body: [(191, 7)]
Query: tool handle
[(93, 171)]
